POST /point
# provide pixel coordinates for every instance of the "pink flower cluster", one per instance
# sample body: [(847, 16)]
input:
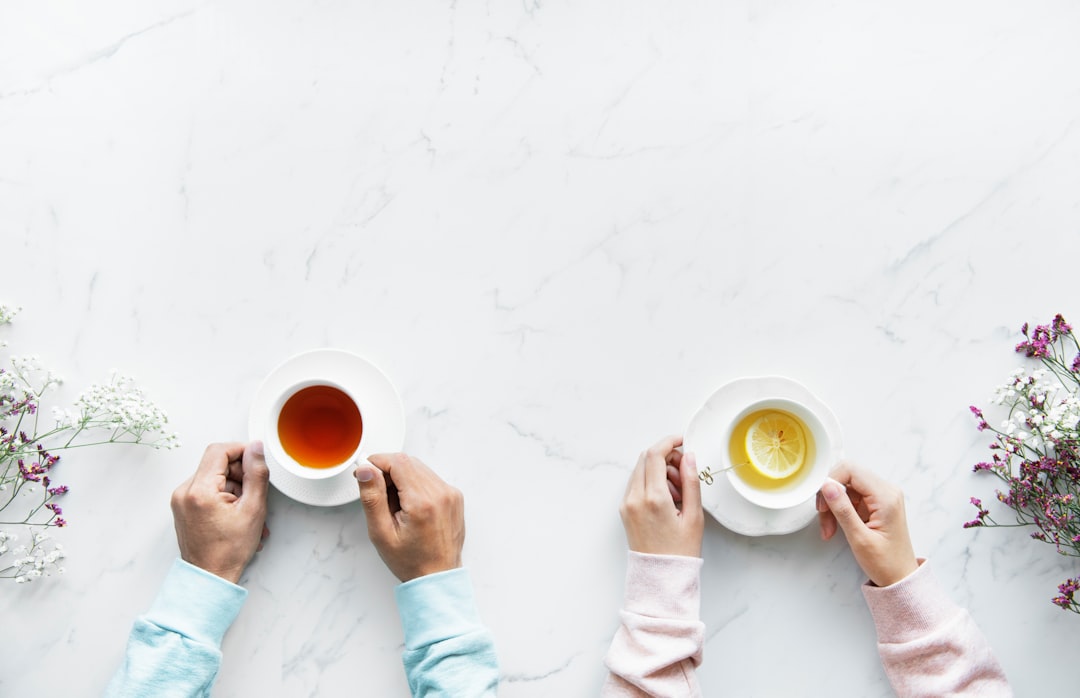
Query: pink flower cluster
[(35, 462), (1066, 592), (1036, 454), (1037, 344)]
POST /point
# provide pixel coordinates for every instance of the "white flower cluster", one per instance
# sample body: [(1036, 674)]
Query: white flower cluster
[(1037, 414), (35, 376), (33, 562), (8, 383), (7, 312), (120, 403)]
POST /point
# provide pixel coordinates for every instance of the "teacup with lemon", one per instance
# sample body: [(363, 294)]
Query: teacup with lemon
[(773, 446)]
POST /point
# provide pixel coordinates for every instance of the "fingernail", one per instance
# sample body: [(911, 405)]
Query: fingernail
[(831, 489), (256, 447), (363, 474)]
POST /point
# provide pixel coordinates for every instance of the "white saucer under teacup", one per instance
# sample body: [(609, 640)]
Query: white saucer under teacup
[(379, 403), (707, 437)]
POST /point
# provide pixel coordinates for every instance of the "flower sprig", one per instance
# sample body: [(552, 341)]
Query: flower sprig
[(110, 413), (1036, 448)]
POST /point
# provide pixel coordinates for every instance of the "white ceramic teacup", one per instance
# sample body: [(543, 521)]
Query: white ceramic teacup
[(276, 450), (801, 486)]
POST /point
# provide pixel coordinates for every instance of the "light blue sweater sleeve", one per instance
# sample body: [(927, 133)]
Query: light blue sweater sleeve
[(448, 652), (175, 649)]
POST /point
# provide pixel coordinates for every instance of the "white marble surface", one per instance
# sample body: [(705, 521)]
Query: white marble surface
[(558, 227)]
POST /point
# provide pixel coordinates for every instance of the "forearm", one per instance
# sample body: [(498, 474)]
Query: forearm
[(448, 651), (659, 642), (930, 646), (175, 648)]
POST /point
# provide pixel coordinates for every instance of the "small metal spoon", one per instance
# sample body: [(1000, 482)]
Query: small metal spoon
[(707, 474)]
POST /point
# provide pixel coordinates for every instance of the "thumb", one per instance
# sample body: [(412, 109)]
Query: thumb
[(840, 505), (373, 497), (691, 483), (256, 474)]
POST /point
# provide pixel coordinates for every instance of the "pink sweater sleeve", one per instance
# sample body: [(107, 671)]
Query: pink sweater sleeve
[(659, 643), (929, 645)]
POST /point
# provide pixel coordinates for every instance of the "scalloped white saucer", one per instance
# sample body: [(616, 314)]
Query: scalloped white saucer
[(384, 418), (704, 438)]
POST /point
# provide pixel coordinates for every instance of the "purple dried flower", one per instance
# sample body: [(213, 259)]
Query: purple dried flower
[(31, 473), (979, 415), (1038, 344), (1059, 326)]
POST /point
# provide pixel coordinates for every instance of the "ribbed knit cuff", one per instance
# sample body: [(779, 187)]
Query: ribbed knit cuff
[(909, 608), (196, 604), (437, 607), (663, 586)]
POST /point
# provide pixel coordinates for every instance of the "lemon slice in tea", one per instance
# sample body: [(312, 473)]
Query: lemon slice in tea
[(775, 445)]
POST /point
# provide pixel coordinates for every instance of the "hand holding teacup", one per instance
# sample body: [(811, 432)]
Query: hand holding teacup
[(220, 511), (415, 520), (871, 513)]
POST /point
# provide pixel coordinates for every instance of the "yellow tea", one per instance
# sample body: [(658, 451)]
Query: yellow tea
[(770, 449), (320, 426)]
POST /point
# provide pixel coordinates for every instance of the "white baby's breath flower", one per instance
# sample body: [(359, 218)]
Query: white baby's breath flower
[(122, 404), (7, 312), (65, 418)]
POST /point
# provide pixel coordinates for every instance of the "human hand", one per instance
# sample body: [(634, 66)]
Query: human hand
[(220, 511), (873, 519), (661, 510), (415, 520)]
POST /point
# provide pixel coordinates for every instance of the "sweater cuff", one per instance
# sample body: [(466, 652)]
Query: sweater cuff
[(910, 608), (663, 586), (437, 607), (196, 604)]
